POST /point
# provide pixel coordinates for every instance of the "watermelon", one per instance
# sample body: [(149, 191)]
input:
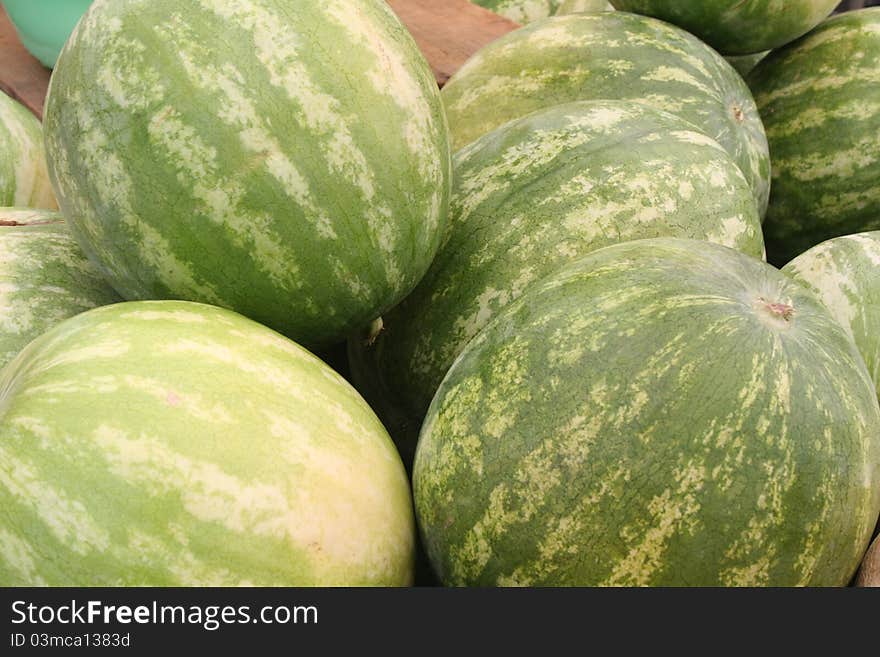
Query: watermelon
[(24, 180), (525, 11), (660, 412), (820, 101), (844, 272), (735, 27), (288, 160), (169, 443), (44, 278), (611, 55), (529, 197)]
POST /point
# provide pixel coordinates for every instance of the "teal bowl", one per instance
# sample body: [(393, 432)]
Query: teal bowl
[(44, 25)]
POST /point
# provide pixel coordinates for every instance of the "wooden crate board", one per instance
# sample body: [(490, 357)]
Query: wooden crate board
[(447, 31), (21, 75)]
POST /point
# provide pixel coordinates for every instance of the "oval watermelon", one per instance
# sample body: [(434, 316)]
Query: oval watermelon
[(44, 278), (660, 412), (526, 11), (169, 443), (611, 55), (734, 27), (820, 101), (311, 197), (845, 274), (529, 197), (24, 180)]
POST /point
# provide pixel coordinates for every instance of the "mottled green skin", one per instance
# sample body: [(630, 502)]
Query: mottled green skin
[(610, 55), (168, 443), (737, 27), (530, 197), (44, 278), (647, 417), (525, 11), (289, 161), (844, 272), (745, 63), (820, 101), (24, 180)]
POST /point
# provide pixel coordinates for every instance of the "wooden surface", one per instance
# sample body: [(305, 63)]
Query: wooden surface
[(21, 75), (447, 31), (450, 31)]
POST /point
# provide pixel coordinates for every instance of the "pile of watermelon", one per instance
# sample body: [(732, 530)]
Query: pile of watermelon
[(604, 311)]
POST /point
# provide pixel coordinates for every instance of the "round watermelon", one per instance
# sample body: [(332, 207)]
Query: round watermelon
[(820, 102), (24, 180), (44, 278), (168, 443), (525, 11), (662, 412), (611, 55), (844, 272), (735, 27), (288, 160), (529, 197)]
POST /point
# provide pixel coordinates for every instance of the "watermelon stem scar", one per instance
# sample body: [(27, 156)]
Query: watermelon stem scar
[(738, 114), (780, 311)]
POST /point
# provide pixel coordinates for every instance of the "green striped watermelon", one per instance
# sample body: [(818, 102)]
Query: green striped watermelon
[(736, 27), (529, 197), (44, 278), (845, 274), (611, 55), (24, 180), (525, 11), (178, 444), (287, 160), (661, 412), (820, 101)]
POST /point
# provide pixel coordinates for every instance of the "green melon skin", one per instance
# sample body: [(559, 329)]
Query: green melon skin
[(735, 27), (24, 180), (611, 55), (844, 272), (287, 160), (659, 413), (527, 199), (744, 64), (168, 443), (526, 11), (820, 101), (44, 278)]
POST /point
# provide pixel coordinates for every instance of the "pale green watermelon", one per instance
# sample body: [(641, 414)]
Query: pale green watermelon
[(24, 180), (169, 443), (737, 27), (288, 160), (525, 11), (820, 101), (610, 55), (845, 274), (530, 197), (44, 278), (659, 413)]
